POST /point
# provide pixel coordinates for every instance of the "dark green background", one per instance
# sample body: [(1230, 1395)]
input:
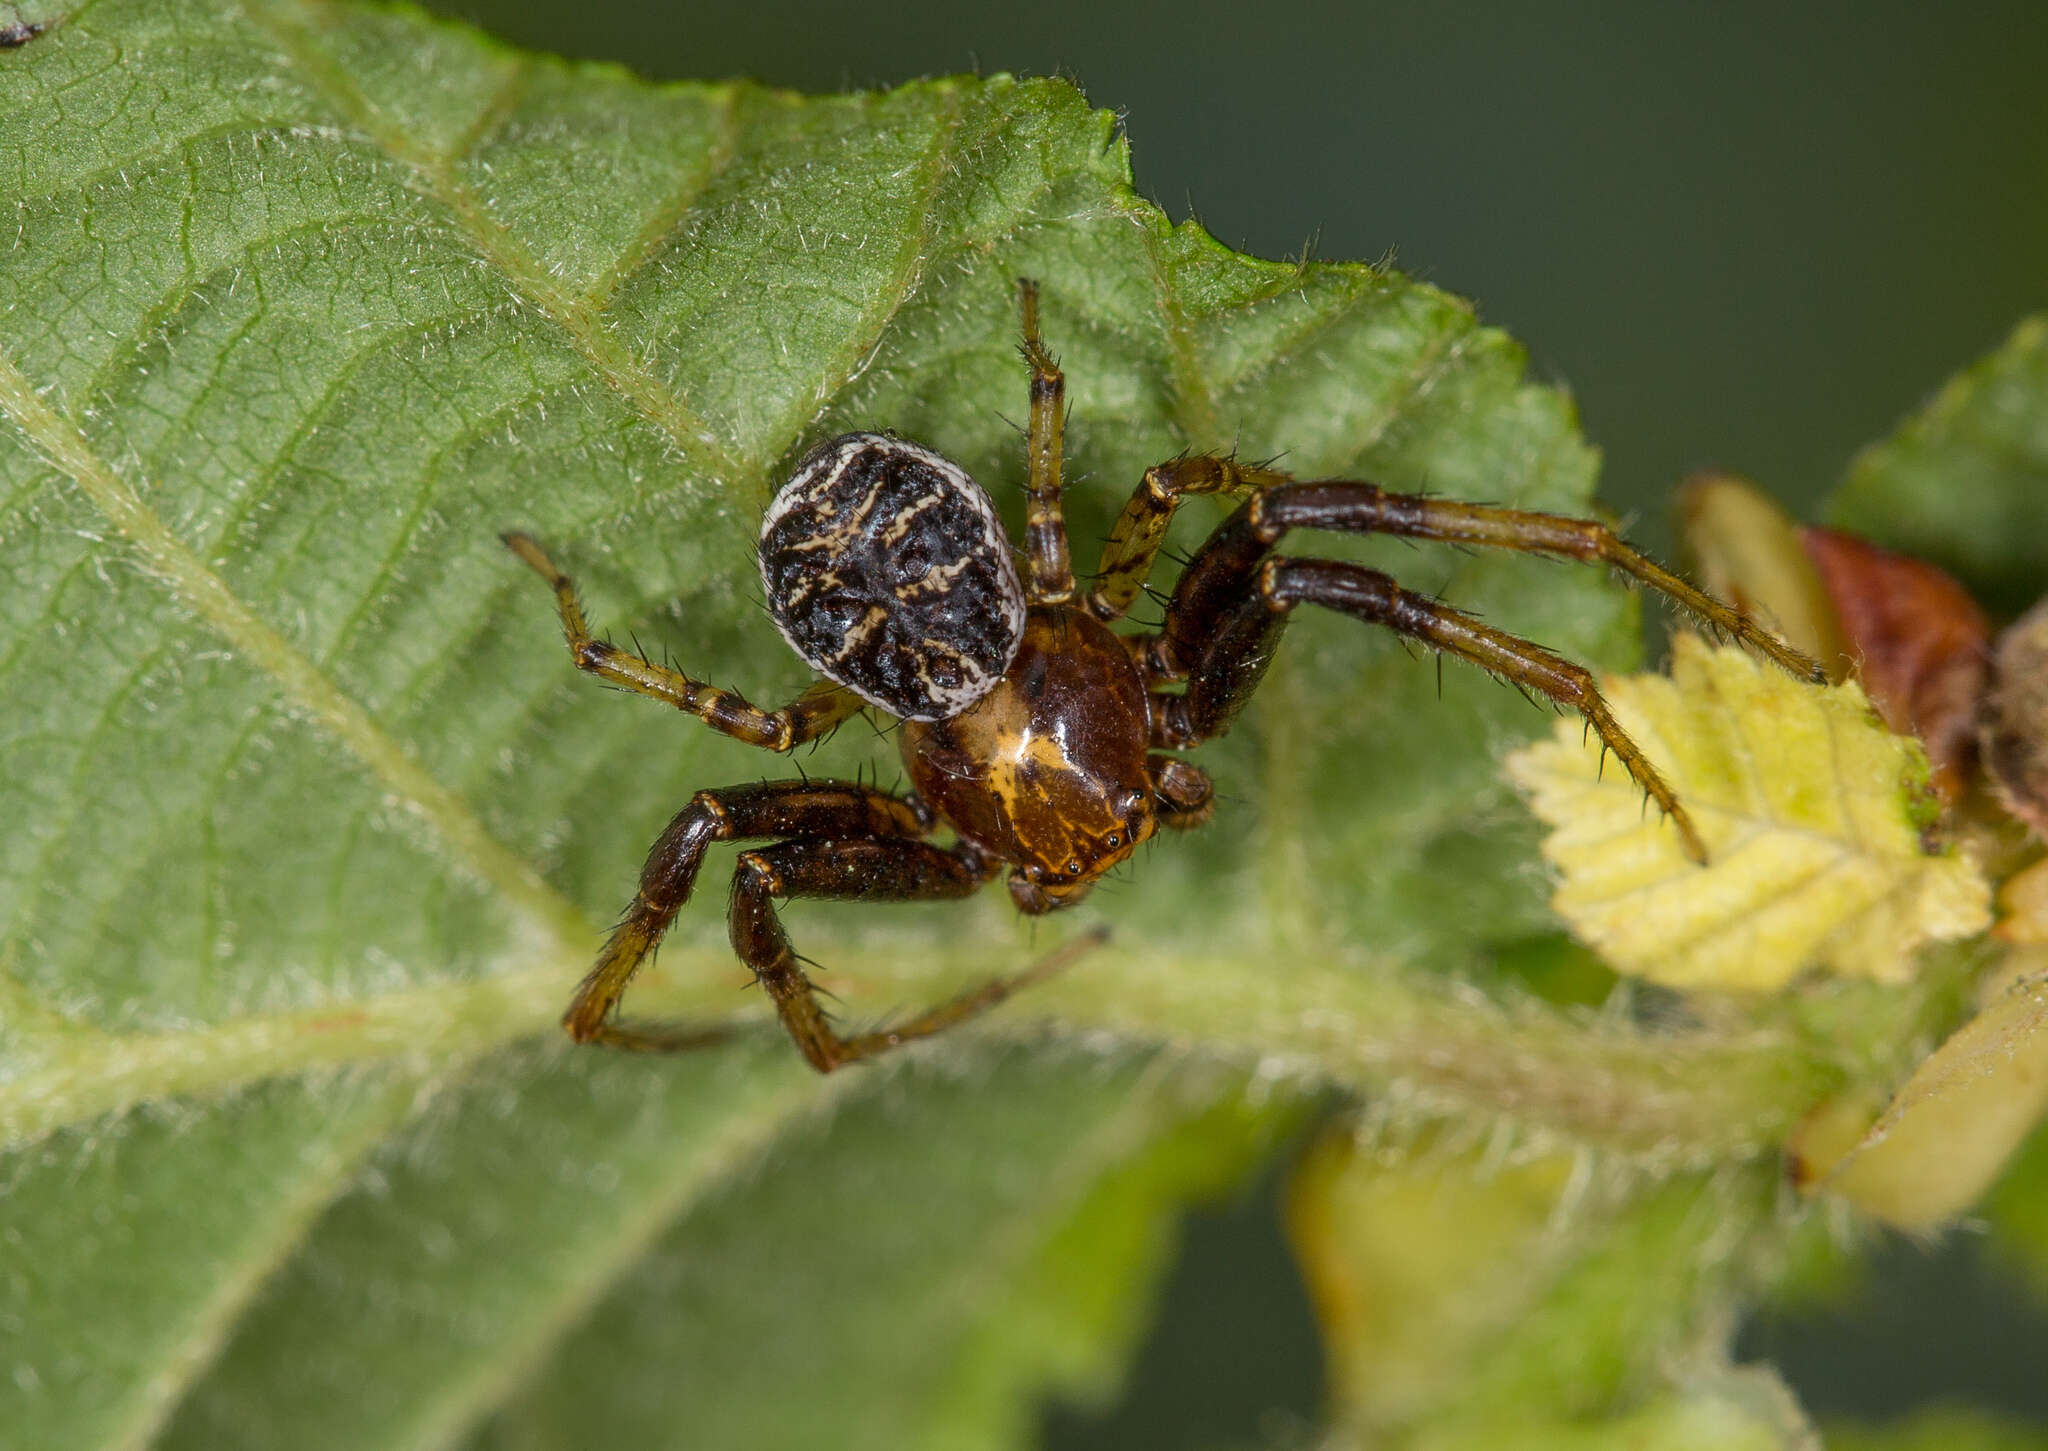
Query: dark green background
[(1744, 237)]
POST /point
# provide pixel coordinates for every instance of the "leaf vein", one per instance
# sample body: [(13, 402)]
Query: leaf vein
[(165, 309), (51, 842), (739, 1143), (428, 490), (84, 181), (468, 845), (493, 112), (613, 363), (653, 238), (912, 265), (1194, 398), (218, 1315)]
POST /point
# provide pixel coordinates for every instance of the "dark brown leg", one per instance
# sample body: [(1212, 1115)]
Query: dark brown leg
[(809, 716), (1219, 685), (1223, 676), (1360, 508), (1050, 579), (1232, 601), (871, 870), (776, 808)]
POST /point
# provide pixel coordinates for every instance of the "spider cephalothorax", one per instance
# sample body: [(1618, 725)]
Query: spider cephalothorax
[(1030, 728)]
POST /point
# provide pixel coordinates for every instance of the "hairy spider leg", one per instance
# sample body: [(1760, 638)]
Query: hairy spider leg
[(860, 870), (769, 809), (818, 710), (1233, 601), (846, 841), (1133, 544), (1357, 507), (1049, 578), (1370, 509)]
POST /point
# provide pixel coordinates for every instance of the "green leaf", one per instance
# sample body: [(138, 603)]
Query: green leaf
[(1464, 1293), (2018, 1211), (313, 826), (1964, 483), (1949, 1428), (1747, 1408), (593, 1242)]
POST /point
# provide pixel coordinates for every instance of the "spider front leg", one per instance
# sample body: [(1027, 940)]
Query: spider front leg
[(1050, 580), (1363, 508), (812, 714), (1232, 603), (1369, 508), (774, 808), (865, 870), (1134, 540), (1366, 594)]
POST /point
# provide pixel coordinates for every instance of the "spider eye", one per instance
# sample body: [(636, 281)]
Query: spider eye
[(1113, 841), (1074, 867)]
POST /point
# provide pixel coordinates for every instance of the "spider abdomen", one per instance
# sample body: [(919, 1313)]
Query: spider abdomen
[(888, 570)]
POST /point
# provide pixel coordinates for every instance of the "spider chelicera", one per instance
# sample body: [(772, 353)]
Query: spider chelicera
[(1029, 727)]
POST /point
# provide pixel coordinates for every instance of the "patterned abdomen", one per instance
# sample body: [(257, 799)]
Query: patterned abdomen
[(887, 569)]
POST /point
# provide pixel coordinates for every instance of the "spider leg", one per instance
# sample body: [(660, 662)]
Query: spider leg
[(865, 870), (1368, 507), (1051, 570), (811, 715), (771, 808), (1133, 544), (1233, 602), (1361, 508)]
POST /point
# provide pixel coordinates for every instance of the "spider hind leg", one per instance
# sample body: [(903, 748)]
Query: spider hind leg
[(770, 809), (872, 870)]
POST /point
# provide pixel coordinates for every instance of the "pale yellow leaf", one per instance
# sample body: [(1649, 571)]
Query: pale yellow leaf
[(2023, 906), (1951, 1129), (1816, 821)]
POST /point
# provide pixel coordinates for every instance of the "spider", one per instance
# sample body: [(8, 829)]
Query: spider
[(1033, 731)]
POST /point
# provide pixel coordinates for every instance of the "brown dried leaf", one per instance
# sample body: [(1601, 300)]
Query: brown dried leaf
[(1921, 643), (2015, 720)]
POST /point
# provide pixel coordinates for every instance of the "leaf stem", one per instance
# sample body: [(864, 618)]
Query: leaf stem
[(1671, 1101)]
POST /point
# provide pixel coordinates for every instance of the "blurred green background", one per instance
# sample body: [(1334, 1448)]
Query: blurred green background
[(1745, 236)]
